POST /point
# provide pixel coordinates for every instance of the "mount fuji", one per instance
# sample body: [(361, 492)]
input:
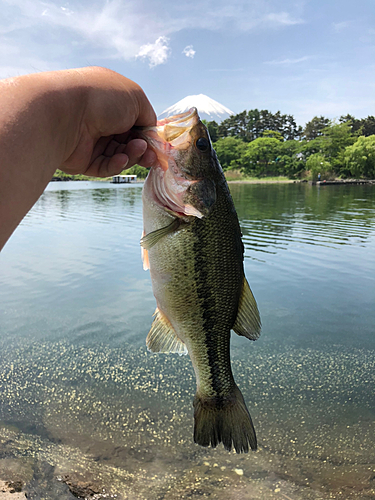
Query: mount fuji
[(208, 109)]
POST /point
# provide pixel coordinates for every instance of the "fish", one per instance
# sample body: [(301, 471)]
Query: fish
[(192, 246)]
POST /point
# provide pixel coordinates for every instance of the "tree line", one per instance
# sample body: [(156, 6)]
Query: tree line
[(260, 143)]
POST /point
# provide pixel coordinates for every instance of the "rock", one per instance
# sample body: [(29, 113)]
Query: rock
[(83, 489), (11, 490)]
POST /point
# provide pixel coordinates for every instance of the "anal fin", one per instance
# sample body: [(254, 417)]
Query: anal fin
[(247, 322), (163, 338)]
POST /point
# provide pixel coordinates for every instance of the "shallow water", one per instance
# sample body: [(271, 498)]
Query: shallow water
[(82, 401)]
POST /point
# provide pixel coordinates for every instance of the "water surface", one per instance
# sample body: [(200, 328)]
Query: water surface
[(81, 399)]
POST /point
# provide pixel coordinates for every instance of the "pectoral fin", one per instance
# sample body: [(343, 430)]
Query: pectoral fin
[(150, 239), (162, 337), (247, 322)]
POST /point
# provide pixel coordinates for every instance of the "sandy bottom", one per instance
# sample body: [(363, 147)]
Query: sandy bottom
[(118, 423)]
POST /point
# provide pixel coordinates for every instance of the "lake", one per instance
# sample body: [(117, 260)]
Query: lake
[(84, 404)]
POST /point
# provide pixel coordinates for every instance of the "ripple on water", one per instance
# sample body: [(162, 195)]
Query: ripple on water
[(121, 419)]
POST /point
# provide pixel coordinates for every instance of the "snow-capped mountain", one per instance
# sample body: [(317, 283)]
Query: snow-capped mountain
[(208, 109)]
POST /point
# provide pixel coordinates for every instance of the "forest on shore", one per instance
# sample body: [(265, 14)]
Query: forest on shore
[(262, 144), (258, 143)]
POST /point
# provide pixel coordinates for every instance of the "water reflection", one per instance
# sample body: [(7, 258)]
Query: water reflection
[(331, 215), (81, 400)]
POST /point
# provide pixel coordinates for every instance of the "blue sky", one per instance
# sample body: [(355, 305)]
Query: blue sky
[(305, 58)]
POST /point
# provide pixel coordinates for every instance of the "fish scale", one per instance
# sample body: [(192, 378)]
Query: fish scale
[(193, 248)]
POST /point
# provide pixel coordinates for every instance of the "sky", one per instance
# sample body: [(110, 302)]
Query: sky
[(304, 58)]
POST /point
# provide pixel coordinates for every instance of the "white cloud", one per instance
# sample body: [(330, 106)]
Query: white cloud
[(338, 27), (288, 61), (157, 52), (189, 51), (82, 32), (282, 18), (67, 11)]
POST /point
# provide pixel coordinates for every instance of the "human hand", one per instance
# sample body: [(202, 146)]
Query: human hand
[(78, 120), (112, 105)]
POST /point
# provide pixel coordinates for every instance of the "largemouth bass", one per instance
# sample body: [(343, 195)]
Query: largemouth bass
[(193, 248)]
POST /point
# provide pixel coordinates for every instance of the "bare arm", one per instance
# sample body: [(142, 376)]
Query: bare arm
[(76, 120)]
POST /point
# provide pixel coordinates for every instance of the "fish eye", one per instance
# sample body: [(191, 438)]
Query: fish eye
[(202, 144)]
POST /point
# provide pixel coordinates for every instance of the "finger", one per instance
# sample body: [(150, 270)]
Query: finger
[(148, 159), (114, 148), (104, 166), (100, 146), (135, 149)]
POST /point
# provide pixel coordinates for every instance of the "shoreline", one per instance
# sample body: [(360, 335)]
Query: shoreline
[(262, 181), (337, 182)]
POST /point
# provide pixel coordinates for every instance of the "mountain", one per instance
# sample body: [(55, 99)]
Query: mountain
[(208, 109)]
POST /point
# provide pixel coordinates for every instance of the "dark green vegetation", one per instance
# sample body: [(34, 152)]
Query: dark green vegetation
[(62, 176), (139, 171), (260, 144)]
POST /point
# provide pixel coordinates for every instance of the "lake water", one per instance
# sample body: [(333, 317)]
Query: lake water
[(82, 401)]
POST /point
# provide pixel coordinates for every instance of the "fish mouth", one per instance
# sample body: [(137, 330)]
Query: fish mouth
[(166, 182), (174, 128), (172, 132)]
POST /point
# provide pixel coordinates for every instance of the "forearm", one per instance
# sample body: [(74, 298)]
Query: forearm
[(39, 126), (77, 120)]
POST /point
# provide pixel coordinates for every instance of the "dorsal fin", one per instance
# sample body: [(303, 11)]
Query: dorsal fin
[(247, 322), (162, 337)]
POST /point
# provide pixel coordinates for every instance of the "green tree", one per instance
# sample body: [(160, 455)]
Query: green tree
[(273, 133), (360, 157), (241, 125), (330, 144), (230, 151), (249, 125), (336, 137), (317, 164), (290, 159), (312, 147), (289, 129), (213, 129), (260, 156), (365, 126), (140, 172), (352, 121), (314, 128)]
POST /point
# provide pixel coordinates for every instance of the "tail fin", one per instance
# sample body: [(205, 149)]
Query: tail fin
[(224, 420)]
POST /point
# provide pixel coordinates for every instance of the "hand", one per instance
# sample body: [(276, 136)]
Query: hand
[(78, 120), (113, 105)]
